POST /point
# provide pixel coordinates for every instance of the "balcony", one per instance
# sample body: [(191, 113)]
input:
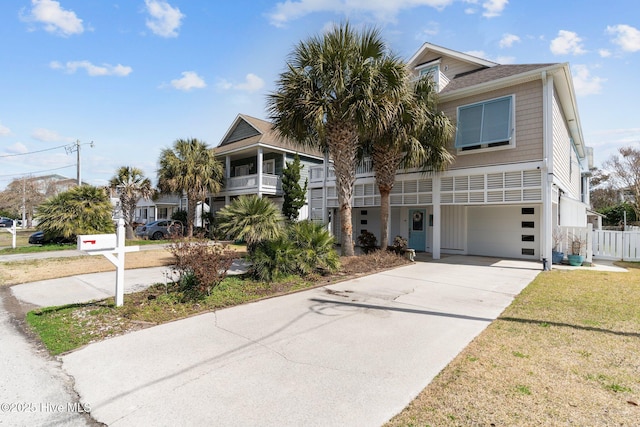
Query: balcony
[(316, 173), (248, 184)]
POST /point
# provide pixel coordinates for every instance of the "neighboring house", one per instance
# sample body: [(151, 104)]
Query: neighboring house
[(162, 207), (519, 167), (254, 157)]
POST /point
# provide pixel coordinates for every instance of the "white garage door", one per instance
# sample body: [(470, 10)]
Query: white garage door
[(504, 231)]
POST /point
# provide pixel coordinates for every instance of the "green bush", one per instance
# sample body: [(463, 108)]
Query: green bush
[(305, 248)]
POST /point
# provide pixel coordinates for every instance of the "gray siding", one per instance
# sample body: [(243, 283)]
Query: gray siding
[(243, 130)]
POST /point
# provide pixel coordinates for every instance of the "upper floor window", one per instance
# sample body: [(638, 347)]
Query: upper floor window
[(269, 166), (487, 124), (431, 69)]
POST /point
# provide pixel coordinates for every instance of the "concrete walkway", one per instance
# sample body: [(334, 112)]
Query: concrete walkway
[(351, 354)]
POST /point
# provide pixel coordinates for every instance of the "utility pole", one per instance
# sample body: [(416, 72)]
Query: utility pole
[(76, 147)]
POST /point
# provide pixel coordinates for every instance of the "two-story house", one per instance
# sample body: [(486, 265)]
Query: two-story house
[(520, 160), (254, 157)]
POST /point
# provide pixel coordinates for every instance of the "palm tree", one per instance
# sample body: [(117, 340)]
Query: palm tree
[(416, 138), (190, 168), (337, 87), (81, 210), (132, 186), (250, 218)]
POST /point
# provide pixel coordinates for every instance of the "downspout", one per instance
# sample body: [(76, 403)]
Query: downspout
[(547, 170)]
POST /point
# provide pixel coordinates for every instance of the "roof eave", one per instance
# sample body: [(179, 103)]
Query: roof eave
[(452, 53)]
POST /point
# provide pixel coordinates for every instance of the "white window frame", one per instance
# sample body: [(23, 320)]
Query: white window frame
[(432, 68), (487, 146)]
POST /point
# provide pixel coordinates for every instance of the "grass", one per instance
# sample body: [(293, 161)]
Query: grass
[(65, 328), (564, 353)]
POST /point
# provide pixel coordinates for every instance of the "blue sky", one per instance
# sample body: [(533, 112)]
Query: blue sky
[(133, 76)]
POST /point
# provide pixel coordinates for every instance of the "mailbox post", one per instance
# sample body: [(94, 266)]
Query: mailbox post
[(113, 248)]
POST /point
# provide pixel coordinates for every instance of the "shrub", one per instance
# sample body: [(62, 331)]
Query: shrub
[(367, 241), (201, 266), (306, 248), (274, 259), (316, 246), (399, 245), (252, 219)]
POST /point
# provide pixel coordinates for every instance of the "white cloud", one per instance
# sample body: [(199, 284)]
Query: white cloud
[(483, 55), (505, 60), (493, 8), (432, 28), (47, 135), (604, 53), (567, 42), (381, 10), (251, 84), (4, 131), (17, 148), (91, 69), (165, 20), (190, 80), (626, 36), (584, 83), (55, 19), (508, 40)]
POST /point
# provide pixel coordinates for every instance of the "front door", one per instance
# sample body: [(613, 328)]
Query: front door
[(417, 229)]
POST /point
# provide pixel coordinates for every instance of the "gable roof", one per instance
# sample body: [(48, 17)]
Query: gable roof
[(465, 57), (247, 131), (484, 75)]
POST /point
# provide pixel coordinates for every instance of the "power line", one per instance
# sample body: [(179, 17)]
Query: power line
[(33, 152), (36, 172)]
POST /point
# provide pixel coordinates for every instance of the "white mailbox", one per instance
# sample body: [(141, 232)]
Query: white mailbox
[(96, 242)]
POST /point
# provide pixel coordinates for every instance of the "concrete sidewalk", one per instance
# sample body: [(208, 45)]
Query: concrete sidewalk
[(351, 354)]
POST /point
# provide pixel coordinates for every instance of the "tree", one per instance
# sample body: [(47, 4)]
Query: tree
[(190, 168), (250, 218), (81, 210), (416, 138), (603, 195), (337, 87), (28, 192), (625, 171), (131, 186), (295, 196)]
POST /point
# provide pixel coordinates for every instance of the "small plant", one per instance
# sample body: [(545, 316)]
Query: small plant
[(367, 241), (201, 266), (578, 244), (399, 245), (557, 239)]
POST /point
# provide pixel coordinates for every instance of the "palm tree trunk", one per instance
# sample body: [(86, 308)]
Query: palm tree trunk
[(384, 216), (191, 215), (386, 160), (342, 140)]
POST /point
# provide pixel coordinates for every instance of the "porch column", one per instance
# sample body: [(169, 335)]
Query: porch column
[(547, 169), (435, 248), (260, 171), (227, 167), (325, 172)]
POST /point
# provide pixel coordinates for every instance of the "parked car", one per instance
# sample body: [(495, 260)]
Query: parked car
[(161, 229), (6, 222), (38, 238)]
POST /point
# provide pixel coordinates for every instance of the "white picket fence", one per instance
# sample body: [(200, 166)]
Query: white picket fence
[(616, 245)]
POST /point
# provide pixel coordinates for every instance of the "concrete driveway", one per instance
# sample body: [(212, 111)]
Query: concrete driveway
[(351, 354)]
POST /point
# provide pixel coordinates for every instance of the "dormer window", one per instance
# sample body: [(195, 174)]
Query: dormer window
[(434, 70)]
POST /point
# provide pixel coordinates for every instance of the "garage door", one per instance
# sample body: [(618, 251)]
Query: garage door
[(504, 231)]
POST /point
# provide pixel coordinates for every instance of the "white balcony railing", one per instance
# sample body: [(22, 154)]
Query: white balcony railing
[(250, 182), (316, 173)]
